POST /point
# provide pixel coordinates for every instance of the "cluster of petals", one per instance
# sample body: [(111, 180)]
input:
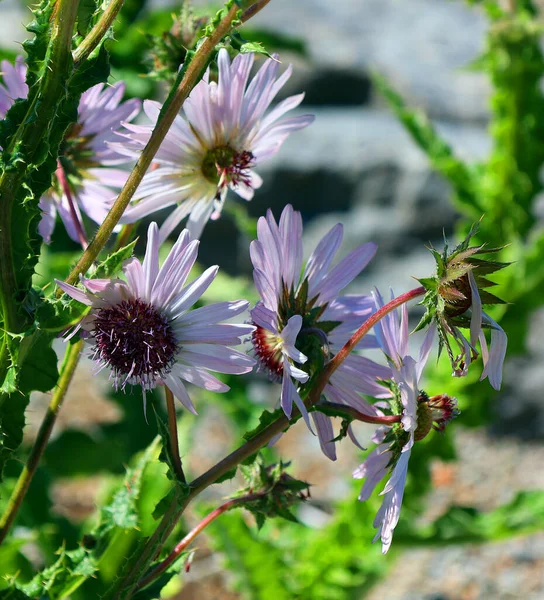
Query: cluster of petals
[(392, 336), (225, 128), (277, 259), (202, 342), (100, 113), (14, 85)]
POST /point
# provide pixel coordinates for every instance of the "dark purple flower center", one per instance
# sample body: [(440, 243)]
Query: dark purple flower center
[(224, 166), (136, 341)]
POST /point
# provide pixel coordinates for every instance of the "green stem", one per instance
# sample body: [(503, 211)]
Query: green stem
[(166, 118), (173, 431), (97, 33), (71, 360), (261, 439)]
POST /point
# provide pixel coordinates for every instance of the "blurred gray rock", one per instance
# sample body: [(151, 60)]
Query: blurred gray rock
[(423, 46)]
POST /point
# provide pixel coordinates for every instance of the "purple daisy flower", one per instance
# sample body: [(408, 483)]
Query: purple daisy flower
[(224, 135), (418, 413), (85, 178), (301, 322), (142, 328)]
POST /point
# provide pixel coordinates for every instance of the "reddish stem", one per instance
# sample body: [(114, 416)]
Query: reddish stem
[(369, 324), (176, 552), (359, 416), (63, 180)]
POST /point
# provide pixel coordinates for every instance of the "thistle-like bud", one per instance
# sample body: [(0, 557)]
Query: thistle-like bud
[(454, 300), (273, 489), (168, 50)]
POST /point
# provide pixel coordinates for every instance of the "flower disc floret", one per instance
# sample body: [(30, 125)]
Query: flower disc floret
[(136, 341)]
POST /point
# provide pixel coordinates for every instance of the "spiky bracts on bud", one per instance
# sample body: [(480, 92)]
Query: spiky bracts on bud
[(277, 492), (454, 300), (169, 50)]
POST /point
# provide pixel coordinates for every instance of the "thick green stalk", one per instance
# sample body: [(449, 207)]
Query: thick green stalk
[(71, 360), (176, 99), (29, 137), (147, 553)]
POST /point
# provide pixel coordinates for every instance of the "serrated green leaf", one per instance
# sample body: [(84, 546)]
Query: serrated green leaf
[(113, 263)]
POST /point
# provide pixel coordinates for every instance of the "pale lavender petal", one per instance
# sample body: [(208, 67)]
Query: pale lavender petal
[(192, 292), (174, 272), (425, 350), (49, 216), (497, 353), (288, 392), (295, 372), (476, 306), (264, 317), (291, 235), (213, 313), (303, 411), (96, 286), (266, 289), (225, 333), (374, 469), (291, 330), (388, 515), (325, 434), (344, 272), (198, 218), (321, 258), (151, 259), (74, 292), (289, 337), (217, 358), (174, 218), (135, 277), (200, 378), (179, 391)]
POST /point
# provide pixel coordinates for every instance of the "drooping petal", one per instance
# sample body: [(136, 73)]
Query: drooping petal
[(325, 433)]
